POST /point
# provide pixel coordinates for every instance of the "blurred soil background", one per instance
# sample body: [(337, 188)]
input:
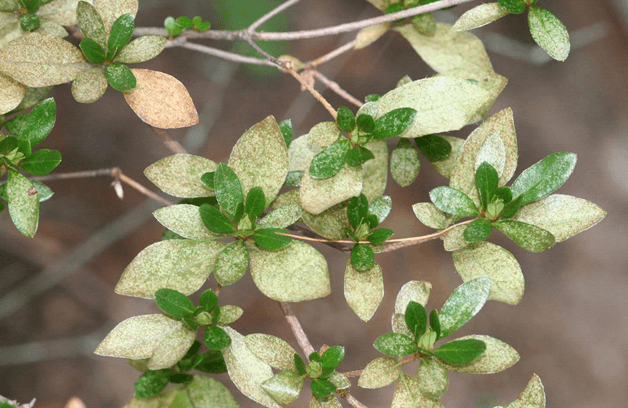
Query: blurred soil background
[(57, 296)]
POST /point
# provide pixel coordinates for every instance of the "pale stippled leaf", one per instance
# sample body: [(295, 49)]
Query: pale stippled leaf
[(59, 11), (272, 350), (443, 103), (562, 215), (282, 217), (532, 397), (52, 28), (293, 274), (184, 220), (479, 16), (319, 195), (492, 152), (430, 216), (89, 86), (229, 314), (260, 158), (398, 324), (407, 395), (368, 35), (463, 175), (497, 357), (453, 201), (40, 59), (375, 171), (206, 392), (246, 370), (110, 10), (340, 381), (301, 153), (404, 163), (23, 201), (91, 23), (415, 291), (10, 28), (161, 400), (364, 291), (379, 373), (33, 97), (173, 264), (161, 100), (141, 49), (9, 5), (324, 134), (484, 259), (284, 387), (448, 49), (454, 239), (433, 378), (138, 337), (11, 94), (329, 402), (180, 175), (549, 33), (464, 303), (446, 166), (527, 236), (231, 263), (330, 224), (172, 348), (381, 207)]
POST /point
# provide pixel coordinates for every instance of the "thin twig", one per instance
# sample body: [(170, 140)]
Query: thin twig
[(330, 55), (271, 14), (354, 402), (305, 34), (308, 233), (231, 56), (297, 329), (337, 89)]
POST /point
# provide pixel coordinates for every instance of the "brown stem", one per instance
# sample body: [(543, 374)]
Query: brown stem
[(354, 402), (297, 329), (357, 373), (337, 89), (271, 14)]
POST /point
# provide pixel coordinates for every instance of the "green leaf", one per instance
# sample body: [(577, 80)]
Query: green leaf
[(415, 291), (121, 33), (453, 201), (404, 163), (29, 22), (379, 236), (90, 85), (379, 373), (284, 387), (215, 220), (272, 350), (433, 378), (460, 351), (512, 207), (208, 300), (532, 397), (45, 193), (486, 180), (464, 303), (268, 238), (562, 215), (480, 16), (435, 323), (365, 123), (231, 263), (23, 203), (513, 6), (184, 22), (329, 162), (216, 338), (549, 33), (92, 51), (430, 216), (319, 195), (299, 364), (544, 177), (381, 207), (322, 388), (424, 24), (478, 230), (39, 122), (228, 189), (151, 383), (445, 166), (395, 344), (41, 162), (40, 59), (357, 210), (212, 362), (393, 123), (434, 147), (183, 265), (359, 155), (8, 144), (90, 23), (120, 77), (416, 318), (141, 49), (286, 131), (295, 273), (345, 119), (527, 236), (184, 220), (333, 356), (173, 28), (255, 202), (362, 257), (497, 357), (173, 302)]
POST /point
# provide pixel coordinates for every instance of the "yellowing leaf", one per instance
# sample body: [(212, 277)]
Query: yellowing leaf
[(59, 11), (180, 175), (479, 16), (161, 100), (532, 397), (379, 373), (11, 94), (319, 195), (141, 49), (110, 10), (89, 85), (184, 220), (272, 350)]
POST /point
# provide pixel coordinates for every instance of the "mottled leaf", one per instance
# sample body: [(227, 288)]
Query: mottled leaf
[(23, 205), (319, 195), (90, 23), (180, 175), (231, 263), (433, 378), (395, 344), (455, 239), (90, 85), (328, 162), (479, 16), (532, 397), (381, 207), (206, 392), (282, 217), (11, 94), (430, 216), (362, 257), (229, 314), (497, 357), (141, 49), (272, 350), (549, 33), (479, 230), (464, 303), (527, 236), (379, 373), (185, 220), (364, 291), (415, 291), (110, 10), (404, 163), (453, 201), (284, 387), (375, 172), (408, 395)]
